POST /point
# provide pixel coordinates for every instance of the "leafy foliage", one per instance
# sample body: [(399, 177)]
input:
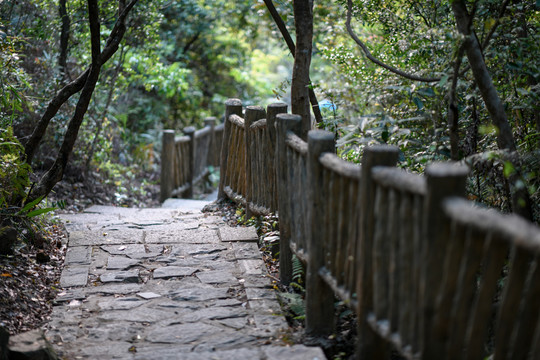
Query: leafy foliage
[(377, 106), (14, 173)]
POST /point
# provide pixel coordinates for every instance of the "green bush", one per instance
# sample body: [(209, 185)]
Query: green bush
[(14, 173)]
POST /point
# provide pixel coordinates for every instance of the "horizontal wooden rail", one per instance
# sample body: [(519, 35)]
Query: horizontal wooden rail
[(488, 296), (427, 273)]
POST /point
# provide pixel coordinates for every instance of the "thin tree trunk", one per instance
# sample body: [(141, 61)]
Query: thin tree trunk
[(493, 102), (76, 85), (56, 172), (64, 39), (303, 21), (99, 122), (292, 48), (521, 202), (453, 111)]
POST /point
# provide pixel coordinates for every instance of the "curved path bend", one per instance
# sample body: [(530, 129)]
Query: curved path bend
[(166, 283)]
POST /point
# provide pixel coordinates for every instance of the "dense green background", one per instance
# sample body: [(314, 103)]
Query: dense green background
[(180, 60)]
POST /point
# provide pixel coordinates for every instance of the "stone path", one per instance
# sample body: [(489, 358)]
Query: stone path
[(166, 284)]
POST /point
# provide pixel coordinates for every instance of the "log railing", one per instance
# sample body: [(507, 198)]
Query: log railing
[(247, 170), (185, 159), (426, 272)]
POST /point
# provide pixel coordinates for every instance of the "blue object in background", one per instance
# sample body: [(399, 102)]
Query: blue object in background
[(327, 104)]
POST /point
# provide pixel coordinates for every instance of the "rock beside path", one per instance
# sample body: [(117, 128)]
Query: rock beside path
[(30, 345)]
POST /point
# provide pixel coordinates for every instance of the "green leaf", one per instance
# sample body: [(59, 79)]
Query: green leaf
[(444, 80), (419, 104), (508, 169), (428, 92), (30, 205), (40, 211)]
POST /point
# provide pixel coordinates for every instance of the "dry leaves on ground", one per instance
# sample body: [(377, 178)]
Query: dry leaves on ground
[(29, 281)]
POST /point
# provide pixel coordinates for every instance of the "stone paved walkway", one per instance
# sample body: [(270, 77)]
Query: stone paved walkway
[(166, 284)]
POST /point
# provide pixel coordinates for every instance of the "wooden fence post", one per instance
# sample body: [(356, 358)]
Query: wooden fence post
[(319, 296), (272, 111), (443, 180), (232, 106), (211, 122), (167, 164), (284, 124), (190, 131), (253, 113), (369, 344)]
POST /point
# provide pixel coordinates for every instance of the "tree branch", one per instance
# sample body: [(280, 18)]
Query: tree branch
[(95, 40), (488, 37), (521, 202), (190, 42), (481, 74), (76, 85), (377, 61)]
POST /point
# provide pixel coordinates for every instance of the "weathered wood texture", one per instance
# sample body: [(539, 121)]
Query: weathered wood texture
[(285, 124), (233, 179), (249, 162), (232, 106), (214, 152), (319, 296), (487, 300), (426, 272), (185, 159)]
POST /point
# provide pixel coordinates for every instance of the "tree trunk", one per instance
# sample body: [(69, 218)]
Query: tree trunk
[(76, 85), (453, 111), (64, 39), (292, 48), (521, 203), (303, 21), (56, 172), (493, 102), (99, 121)]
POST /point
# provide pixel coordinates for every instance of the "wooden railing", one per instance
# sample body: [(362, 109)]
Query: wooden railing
[(185, 159), (247, 157), (426, 271)]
